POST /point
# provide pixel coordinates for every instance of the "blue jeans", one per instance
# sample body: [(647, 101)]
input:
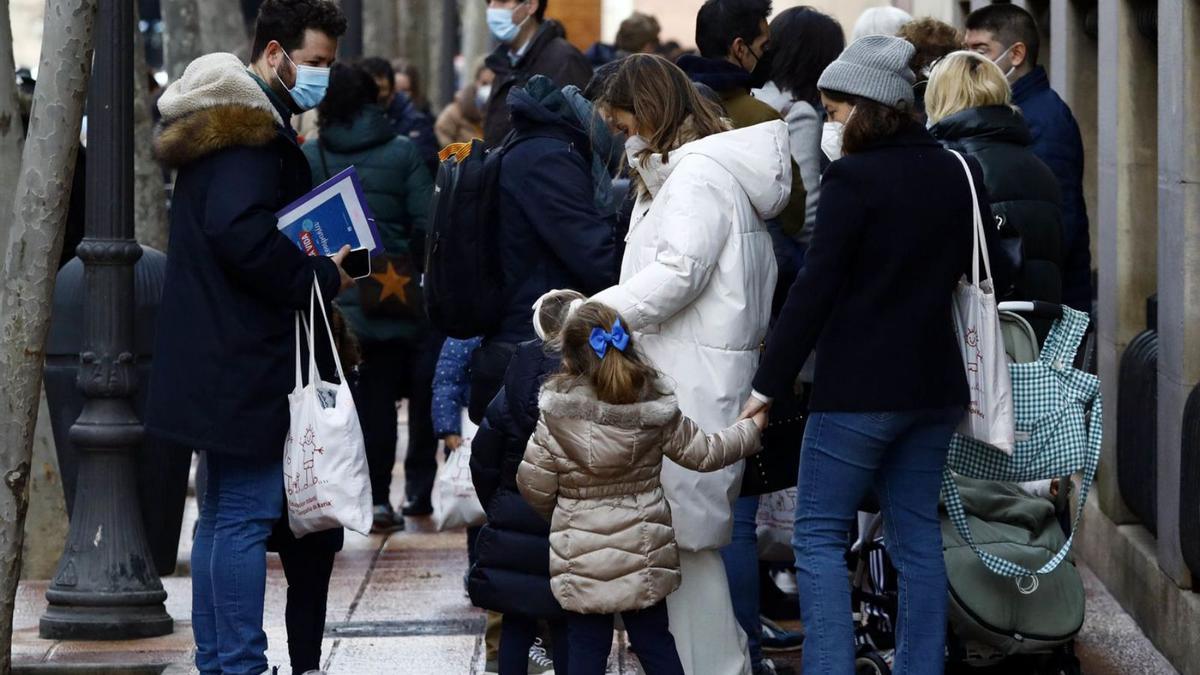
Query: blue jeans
[(243, 501), (741, 566), (591, 637), (900, 455)]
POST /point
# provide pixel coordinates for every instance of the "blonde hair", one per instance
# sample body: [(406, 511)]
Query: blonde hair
[(619, 377), (551, 312), (964, 80)]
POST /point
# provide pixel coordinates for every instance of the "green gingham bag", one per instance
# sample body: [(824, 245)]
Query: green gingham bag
[(1058, 415)]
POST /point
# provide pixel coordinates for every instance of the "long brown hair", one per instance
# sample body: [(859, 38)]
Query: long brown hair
[(871, 122), (664, 101), (620, 377)]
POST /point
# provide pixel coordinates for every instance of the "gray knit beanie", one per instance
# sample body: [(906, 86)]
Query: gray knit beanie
[(875, 68)]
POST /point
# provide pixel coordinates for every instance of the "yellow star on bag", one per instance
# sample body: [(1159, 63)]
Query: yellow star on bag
[(392, 283)]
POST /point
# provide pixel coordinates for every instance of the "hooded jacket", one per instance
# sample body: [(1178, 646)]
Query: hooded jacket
[(551, 234), (225, 345), (512, 568), (398, 189), (593, 469), (548, 53), (1023, 191), (696, 287), (409, 121)]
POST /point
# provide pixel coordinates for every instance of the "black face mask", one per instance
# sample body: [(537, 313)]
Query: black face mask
[(761, 74)]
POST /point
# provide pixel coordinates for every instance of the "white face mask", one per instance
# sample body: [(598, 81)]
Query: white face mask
[(1011, 69), (482, 93), (831, 140), (831, 137)]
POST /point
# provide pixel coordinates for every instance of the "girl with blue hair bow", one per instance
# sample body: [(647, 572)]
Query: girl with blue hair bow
[(592, 468)]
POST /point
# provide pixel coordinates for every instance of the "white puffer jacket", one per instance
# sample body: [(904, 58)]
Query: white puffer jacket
[(696, 286)]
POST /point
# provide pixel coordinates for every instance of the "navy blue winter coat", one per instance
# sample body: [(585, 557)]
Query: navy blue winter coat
[(893, 237), (224, 355), (550, 233), (512, 572), (1056, 141)]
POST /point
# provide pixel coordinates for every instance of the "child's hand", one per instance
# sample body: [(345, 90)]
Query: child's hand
[(453, 441), (760, 419)]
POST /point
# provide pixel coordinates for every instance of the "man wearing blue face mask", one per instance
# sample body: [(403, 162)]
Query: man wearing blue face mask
[(529, 45), (1008, 36), (225, 346)]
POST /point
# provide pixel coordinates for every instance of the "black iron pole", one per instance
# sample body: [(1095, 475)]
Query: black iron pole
[(351, 44), (106, 586)]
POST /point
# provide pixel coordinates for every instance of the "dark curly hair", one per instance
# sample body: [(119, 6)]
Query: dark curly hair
[(871, 122), (805, 41), (351, 88), (285, 21)]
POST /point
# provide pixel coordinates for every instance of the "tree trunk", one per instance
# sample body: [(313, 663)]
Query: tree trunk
[(30, 263), (11, 132), (222, 28), (182, 44), (150, 196), (380, 34), (476, 40)]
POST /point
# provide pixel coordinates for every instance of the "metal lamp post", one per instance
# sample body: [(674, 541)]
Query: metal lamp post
[(106, 586)]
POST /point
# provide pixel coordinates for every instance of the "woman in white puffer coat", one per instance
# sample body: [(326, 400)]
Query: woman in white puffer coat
[(696, 286)]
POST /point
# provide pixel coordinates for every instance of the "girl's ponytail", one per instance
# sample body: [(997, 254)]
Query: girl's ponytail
[(598, 350)]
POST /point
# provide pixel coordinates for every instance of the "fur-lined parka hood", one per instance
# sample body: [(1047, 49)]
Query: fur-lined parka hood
[(216, 104), (581, 403)]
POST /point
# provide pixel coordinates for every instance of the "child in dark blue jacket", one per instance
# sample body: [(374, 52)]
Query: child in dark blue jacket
[(512, 572)]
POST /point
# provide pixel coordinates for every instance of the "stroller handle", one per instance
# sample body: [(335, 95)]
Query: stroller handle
[(1034, 308)]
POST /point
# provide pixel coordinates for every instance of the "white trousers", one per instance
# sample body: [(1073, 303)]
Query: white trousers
[(708, 637)]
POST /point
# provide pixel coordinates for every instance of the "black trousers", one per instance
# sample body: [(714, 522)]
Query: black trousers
[(393, 371), (591, 637), (307, 569)]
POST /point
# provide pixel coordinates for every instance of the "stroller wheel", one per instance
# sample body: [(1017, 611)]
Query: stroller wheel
[(871, 663)]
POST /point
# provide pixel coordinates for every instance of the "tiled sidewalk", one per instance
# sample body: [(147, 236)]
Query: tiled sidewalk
[(396, 606)]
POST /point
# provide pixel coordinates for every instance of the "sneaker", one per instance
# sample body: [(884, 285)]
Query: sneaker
[(385, 521), (776, 639), (539, 661)]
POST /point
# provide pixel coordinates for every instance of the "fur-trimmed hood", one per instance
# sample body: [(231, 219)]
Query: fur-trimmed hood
[(216, 104), (581, 403)]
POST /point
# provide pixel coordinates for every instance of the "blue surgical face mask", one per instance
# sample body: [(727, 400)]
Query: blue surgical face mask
[(311, 83), (500, 22)]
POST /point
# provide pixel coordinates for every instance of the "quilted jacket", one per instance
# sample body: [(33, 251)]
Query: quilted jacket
[(593, 469)]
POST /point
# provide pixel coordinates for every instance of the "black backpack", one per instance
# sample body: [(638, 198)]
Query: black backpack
[(465, 293), (463, 284)]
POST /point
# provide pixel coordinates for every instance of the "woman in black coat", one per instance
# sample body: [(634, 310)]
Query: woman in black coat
[(970, 110), (511, 574), (894, 235)]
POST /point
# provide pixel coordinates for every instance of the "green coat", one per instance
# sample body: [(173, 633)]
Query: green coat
[(398, 189)]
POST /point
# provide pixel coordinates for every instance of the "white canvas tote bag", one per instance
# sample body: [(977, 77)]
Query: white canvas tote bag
[(977, 322), (324, 458)]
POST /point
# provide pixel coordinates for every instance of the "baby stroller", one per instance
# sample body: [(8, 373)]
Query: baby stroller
[(1001, 624)]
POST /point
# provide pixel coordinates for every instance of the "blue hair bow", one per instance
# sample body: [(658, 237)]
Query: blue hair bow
[(601, 339)]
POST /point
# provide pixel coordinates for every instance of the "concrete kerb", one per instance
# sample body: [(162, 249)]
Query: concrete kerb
[(1125, 559)]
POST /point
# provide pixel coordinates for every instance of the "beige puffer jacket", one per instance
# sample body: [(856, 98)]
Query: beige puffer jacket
[(593, 469)]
